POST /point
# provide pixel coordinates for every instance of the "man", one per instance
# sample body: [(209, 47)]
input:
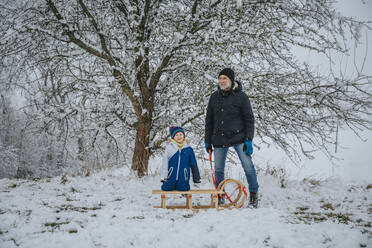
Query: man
[(230, 123)]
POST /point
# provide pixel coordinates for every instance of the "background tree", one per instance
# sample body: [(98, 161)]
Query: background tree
[(101, 72), (24, 153), (8, 153)]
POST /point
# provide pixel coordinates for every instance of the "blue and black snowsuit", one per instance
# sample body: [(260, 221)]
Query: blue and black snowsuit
[(176, 167)]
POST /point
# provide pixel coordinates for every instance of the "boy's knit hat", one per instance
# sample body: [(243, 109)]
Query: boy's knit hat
[(229, 73), (175, 129)]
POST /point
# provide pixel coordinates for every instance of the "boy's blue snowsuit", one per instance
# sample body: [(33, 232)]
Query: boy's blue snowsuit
[(176, 167)]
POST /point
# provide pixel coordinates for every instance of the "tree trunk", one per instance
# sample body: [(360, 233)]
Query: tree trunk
[(141, 153)]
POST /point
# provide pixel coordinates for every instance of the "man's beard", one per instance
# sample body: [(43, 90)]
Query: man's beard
[(226, 88)]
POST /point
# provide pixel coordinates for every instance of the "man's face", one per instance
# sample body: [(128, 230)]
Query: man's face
[(179, 137), (224, 82)]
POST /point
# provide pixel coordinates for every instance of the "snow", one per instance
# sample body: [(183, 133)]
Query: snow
[(113, 208), (239, 4)]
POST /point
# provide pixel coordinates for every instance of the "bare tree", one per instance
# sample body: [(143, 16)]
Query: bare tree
[(129, 68), (8, 152)]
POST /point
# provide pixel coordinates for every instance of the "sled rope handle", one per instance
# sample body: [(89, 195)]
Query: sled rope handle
[(213, 173), (214, 177)]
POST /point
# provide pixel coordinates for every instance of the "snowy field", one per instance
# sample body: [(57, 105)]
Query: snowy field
[(114, 209)]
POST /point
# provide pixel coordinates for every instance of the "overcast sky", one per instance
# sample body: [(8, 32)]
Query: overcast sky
[(356, 154)]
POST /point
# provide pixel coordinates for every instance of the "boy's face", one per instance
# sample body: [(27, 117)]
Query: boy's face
[(179, 137)]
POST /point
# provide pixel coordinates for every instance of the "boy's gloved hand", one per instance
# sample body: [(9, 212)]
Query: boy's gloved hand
[(248, 147), (208, 147), (163, 180)]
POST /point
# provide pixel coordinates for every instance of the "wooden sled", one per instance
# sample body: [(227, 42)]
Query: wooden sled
[(232, 190), (212, 192)]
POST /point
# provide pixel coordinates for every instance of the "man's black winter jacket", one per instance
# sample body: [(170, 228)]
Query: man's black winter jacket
[(229, 117)]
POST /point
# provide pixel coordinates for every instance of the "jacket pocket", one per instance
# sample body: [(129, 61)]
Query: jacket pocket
[(186, 174), (234, 108), (234, 132), (170, 170)]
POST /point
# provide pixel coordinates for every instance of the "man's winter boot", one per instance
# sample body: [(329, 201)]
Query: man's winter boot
[(221, 200), (253, 200)]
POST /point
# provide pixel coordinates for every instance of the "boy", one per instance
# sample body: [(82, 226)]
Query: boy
[(178, 159)]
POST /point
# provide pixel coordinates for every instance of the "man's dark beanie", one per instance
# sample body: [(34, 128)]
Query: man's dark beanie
[(227, 72)]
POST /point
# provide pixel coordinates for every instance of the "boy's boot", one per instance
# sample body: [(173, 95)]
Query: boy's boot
[(253, 200)]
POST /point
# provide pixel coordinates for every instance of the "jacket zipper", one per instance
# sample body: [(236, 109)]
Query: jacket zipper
[(170, 172), (178, 167)]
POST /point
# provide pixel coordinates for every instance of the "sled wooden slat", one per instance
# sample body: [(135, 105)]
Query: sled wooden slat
[(212, 192)]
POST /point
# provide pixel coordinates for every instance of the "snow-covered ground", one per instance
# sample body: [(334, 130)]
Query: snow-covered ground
[(114, 209)]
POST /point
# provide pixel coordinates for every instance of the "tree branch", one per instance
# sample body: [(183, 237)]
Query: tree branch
[(98, 31), (71, 35), (117, 74)]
